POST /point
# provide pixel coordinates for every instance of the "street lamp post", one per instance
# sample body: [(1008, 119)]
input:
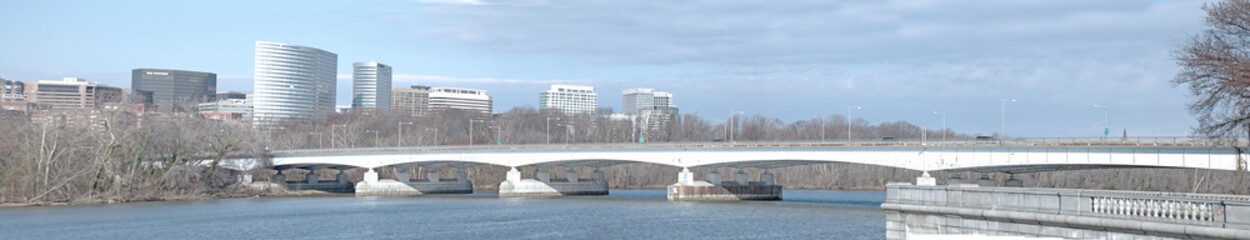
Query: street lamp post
[(848, 122), (549, 128), (332, 134), (436, 143), (731, 124), (376, 143), (269, 145), (320, 139), (822, 127), (1106, 131), (498, 131), (567, 128), (471, 121), (399, 141), (943, 124), (1004, 102)]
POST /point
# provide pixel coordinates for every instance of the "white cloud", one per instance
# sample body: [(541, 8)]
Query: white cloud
[(915, 56)]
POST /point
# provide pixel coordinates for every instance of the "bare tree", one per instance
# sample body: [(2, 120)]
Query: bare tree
[(1216, 67)]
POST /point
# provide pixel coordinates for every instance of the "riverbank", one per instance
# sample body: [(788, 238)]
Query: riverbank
[(234, 192)]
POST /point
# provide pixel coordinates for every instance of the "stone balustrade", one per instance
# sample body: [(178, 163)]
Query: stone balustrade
[(1065, 213)]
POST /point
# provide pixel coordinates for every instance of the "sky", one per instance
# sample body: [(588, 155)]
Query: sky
[(793, 60)]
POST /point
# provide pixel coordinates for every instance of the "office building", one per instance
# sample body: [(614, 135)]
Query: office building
[(371, 86), (232, 95), (570, 99), (637, 100), (71, 94), (12, 91), (443, 98), (175, 90), (292, 82), (228, 106), (410, 102)]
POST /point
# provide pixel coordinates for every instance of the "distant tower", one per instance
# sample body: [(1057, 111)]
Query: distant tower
[(371, 86), (292, 82)]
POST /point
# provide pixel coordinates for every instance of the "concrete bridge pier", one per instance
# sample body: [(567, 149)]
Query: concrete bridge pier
[(985, 180), (926, 180), (405, 185), (954, 180), (279, 178), (403, 176), (311, 177), (1012, 181), (713, 177), (311, 181), (714, 189), (543, 185)]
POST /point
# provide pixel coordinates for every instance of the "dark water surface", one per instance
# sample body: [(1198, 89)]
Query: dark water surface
[(625, 214)]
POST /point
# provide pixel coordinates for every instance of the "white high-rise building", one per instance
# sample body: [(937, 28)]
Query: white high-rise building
[(292, 82), (636, 101), (442, 98), (570, 99), (371, 86)]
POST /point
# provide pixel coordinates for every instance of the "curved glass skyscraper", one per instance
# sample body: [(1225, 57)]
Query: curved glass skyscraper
[(292, 82), (371, 86)]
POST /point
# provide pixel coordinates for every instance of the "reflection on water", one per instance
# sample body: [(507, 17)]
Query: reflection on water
[(625, 214)]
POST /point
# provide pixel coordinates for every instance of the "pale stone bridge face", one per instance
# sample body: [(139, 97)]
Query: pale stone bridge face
[(1012, 158)]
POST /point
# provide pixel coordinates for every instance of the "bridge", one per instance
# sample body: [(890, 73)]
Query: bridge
[(924, 208), (985, 157)]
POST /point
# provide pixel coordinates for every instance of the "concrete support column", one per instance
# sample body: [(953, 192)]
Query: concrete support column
[(713, 177), (926, 180), (461, 175), (1013, 182), (685, 177), (403, 176), (432, 175), (279, 178), (985, 181), (597, 175), (571, 175), (767, 178), (741, 177), (311, 178), (343, 177), (954, 180), (513, 175), (371, 176), (543, 175)]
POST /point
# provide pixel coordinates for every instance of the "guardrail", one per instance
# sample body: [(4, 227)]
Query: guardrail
[(1069, 141)]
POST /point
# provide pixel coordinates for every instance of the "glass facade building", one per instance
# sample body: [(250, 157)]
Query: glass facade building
[(371, 86), (292, 82), (175, 89)]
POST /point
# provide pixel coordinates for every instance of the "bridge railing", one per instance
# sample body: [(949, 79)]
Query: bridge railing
[(1225, 211), (1064, 141)]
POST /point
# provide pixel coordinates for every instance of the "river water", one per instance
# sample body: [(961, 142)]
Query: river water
[(624, 214)]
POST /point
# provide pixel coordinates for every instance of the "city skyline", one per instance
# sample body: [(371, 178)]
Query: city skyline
[(1117, 56)]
